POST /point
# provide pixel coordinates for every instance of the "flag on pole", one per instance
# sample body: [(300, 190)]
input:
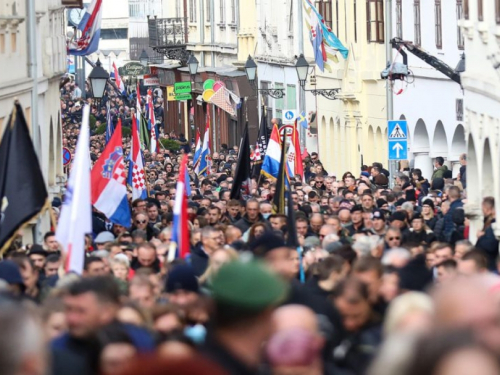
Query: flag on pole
[(325, 43), (271, 164), (109, 123), (197, 152), (90, 26), (23, 194), (136, 175), (108, 179), (180, 243), (294, 157), (205, 161), (278, 202), (76, 216), (153, 142), (118, 80), (141, 122), (302, 120), (261, 145), (242, 179)]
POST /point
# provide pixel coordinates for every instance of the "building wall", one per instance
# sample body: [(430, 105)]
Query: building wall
[(351, 129), (429, 103), (481, 83), (16, 83)]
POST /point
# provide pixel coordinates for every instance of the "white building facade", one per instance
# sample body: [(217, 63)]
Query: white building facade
[(481, 81), (17, 82), (432, 104)]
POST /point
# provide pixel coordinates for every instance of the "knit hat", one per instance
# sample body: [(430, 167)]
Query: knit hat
[(381, 202), (357, 208), (182, 277), (38, 249), (428, 202), (398, 215)]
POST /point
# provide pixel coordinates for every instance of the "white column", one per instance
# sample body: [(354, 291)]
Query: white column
[(424, 163), (455, 167)]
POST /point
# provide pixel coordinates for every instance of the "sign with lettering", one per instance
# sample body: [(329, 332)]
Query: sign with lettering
[(150, 80), (172, 96), (182, 87), (133, 69)]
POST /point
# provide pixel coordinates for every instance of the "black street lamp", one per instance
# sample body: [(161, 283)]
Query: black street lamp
[(302, 67), (144, 58), (251, 72), (98, 78), (193, 64)]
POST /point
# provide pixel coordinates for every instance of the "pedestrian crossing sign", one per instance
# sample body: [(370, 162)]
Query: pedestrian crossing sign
[(397, 130)]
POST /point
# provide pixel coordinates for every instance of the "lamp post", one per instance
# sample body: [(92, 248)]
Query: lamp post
[(144, 58), (302, 67), (98, 78), (251, 72), (193, 64)]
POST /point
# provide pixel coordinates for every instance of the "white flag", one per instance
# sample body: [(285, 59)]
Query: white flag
[(76, 215)]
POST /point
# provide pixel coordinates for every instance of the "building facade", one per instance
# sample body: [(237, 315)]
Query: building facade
[(481, 82), (431, 103), (352, 130), (17, 81)]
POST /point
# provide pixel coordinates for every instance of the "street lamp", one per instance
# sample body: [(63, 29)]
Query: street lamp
[(144, 58), (251, 72), (98, 78), (302, 67), (193, 64)]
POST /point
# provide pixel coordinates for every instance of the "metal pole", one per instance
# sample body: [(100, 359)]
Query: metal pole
[(212, 29), (389, 96), (302, 93)]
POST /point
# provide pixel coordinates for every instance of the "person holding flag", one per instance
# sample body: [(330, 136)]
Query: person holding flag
[(180, 245), (205, 163), (109, 124), (118, 80), (108, 177), (136, 175), (271, 164), (294, 156)]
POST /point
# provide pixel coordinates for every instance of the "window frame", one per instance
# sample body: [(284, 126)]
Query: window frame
[(399, 19), (438, 23), (222, 12), (193, 14), (324, 7), (233, 12), (497, 11), (417, 28), (460, 34), (378, 20), (480, 10), (355, 22), (208, 10)]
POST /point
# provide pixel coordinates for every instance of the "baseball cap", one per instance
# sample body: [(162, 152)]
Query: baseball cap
[(378, 214), (182, 277), (104, 237)]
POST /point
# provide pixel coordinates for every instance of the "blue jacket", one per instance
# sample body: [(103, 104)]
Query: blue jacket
[(449, 225)]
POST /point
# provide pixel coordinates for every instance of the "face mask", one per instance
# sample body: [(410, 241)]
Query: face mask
[(266, 216), (196, 333)]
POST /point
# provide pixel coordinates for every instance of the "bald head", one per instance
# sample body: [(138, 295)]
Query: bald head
[(295, 316), (316, 222)]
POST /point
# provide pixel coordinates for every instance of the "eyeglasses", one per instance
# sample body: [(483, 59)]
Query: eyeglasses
[(394, 238), (140, 221)]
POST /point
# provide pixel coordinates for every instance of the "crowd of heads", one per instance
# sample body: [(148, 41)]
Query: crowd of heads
[(386, 279)]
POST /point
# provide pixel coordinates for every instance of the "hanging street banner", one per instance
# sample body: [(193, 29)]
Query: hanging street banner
[(133, 69)]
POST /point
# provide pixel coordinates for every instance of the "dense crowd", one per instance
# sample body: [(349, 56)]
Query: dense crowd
[(385, 282)]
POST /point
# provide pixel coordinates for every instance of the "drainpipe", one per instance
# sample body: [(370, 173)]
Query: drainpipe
[(389, 97), (202, 32), (302, 93), (212, 30)]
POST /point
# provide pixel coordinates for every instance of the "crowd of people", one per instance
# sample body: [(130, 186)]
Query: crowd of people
[(385, 282)]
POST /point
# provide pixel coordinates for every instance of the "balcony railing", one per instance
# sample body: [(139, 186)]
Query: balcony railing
[(169, 36)]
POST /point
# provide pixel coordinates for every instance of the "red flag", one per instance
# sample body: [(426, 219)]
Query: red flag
[(299, 170)]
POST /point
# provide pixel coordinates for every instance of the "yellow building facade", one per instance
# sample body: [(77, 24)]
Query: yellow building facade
[(352, 130)]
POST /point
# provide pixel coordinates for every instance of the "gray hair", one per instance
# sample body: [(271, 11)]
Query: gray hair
[(396, 253), (364, 245), (22, 338), (407, 206), (329, 238)]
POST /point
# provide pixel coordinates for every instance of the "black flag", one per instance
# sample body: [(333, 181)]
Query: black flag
[(22, 189), (291, 230), (242, 181), (279, 195), (261, 146)]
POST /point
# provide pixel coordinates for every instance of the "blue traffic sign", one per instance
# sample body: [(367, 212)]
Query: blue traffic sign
[(290, 115), (397, 130), (398, 150), (66, 156)]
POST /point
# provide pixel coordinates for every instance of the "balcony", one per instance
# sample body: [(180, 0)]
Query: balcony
[(169, 36)]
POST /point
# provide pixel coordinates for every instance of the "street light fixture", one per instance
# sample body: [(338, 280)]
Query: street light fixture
[(302, 67), (98, 78), (193, 64), (251, 72), (144, 58)]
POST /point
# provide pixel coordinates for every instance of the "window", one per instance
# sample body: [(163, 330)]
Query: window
[(114, 33), (13, 42), (178, 13), (233, 12), (460, 15), (324, 8), (399, 19), (439, 25), (355, 22), (480, 10), (466, 9), (192, 11), (2, 43), (375, 20), (222, 11), (417, 37), (279, 103), (497, 11), (291, 96), (208, 10)]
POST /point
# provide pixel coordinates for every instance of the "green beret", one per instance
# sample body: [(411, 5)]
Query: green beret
[(248, 285)]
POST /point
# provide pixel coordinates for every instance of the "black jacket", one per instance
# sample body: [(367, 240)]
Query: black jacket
[(244, 223), (199, 260), (489, 245)]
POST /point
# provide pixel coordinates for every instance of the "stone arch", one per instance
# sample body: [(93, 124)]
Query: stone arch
[(439, 141), (473, 192), (379, 144), (488, 176), (458, 145), (420, 137), (370, 145)]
